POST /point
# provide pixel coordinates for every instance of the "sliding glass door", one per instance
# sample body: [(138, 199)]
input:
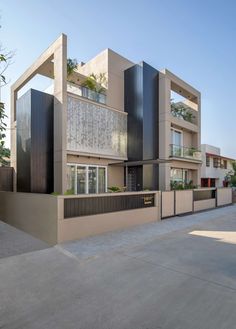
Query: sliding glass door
[(83, 179)]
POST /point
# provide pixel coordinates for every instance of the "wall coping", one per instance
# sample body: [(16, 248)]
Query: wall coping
[(81, 196)]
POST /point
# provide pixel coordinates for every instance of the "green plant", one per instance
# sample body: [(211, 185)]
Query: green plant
[(233, 181), (175, 185), (55, 193), (96, 82), (69, 192), (71, 66), (5, 61), (114, 189), (178, 110)]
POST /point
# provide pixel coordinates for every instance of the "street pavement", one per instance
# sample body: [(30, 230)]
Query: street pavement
[(176, 274)]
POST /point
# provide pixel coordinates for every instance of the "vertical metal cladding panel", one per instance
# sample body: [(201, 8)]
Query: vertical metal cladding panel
[(6, 179), (35, 142), (141, 103), (41, 142), (134, 108), (87, 206), (23, 117)]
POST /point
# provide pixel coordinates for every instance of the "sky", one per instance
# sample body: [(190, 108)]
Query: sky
[(196, 40)]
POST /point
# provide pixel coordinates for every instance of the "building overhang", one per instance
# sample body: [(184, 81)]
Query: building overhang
[(139, 163)]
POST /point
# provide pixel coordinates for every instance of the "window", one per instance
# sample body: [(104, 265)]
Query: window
[(70, 179), (179, 175), (176, 141), (225, 164), (83, 179), (207, 161), (92, 179), (176, 137), (216, 162)]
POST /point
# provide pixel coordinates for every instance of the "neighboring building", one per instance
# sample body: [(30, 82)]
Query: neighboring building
[(80, 140), (215, 167)]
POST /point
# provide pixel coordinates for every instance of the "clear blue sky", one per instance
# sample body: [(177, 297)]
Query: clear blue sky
[(194, 39)]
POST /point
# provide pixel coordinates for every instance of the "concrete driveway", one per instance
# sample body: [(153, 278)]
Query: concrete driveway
[(176, 274)]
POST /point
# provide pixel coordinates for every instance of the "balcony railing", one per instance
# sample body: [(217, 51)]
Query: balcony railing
[(192, 153), (87, 93)]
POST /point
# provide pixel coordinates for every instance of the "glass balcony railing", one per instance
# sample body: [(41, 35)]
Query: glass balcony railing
[(87, 93), (192, 153)]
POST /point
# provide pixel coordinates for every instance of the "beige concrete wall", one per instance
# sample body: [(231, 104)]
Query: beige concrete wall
[(81, 227), (87, 160), (224, 196), (35, 214), (113, 65), (115, 176), (204, 204), (183, 201), (167, 204)]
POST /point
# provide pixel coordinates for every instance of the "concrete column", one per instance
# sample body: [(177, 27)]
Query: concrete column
[(60, 114), (164, 131)]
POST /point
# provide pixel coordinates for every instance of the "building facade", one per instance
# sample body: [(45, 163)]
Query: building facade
[(131, 135), (215, 167)]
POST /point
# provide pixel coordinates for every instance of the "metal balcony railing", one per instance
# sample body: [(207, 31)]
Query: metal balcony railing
[(178, 151)]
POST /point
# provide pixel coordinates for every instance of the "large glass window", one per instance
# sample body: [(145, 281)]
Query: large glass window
[(86, 178), (179, 175), (70, 179), (101, 180), (92, 179), (81, 179), (176, 140)]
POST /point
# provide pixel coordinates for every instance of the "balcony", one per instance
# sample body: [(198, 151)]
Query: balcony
[(191, 153), (86, 93), (182, 112)]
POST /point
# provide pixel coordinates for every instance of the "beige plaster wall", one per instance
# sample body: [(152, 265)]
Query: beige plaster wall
[(115, 176), (224, 196), (81, 227), (167, 203), (204, 204), (183, 201), (113, 65), (32, 213)]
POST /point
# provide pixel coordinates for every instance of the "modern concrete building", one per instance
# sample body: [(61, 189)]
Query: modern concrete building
[(215, 167), (133, 134)]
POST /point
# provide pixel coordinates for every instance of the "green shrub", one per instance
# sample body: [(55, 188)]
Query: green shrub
[(114, 189)]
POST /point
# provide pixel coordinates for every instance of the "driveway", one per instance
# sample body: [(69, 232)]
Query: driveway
[(176, 274)]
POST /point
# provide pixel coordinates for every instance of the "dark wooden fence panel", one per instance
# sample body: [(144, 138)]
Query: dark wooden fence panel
[(6, 179), (86, 206)]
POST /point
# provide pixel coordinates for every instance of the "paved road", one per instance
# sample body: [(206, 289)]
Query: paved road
[(177, 274)]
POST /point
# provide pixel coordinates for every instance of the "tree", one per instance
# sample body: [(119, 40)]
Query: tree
[(5, 61)]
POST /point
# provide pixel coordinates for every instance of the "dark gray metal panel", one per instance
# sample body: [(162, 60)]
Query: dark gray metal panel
[(134, 108), (142, 105), (6, 179), (150, 112), (76, 207), (150, 176), (42, 142), (23, 117), (35, 142)]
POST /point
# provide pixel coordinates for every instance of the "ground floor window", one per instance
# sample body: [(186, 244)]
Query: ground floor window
[(83, 179), (179, 175)]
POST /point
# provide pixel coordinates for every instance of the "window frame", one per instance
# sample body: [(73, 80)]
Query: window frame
[(76, 165)]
